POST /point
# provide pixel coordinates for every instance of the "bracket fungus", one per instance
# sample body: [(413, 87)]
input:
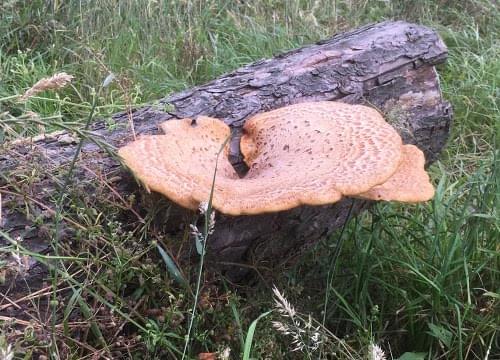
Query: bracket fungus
[(304, 154)]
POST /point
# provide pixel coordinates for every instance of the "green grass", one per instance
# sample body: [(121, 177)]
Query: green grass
[(422, 278)]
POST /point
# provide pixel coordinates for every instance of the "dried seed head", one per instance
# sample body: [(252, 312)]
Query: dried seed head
[(282, 304), (55, 82), (203, 207), (376, 352)]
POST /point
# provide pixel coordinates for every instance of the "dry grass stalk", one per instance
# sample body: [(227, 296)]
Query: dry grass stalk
[(55, 82)]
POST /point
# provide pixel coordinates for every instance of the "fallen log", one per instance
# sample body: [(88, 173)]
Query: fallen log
[(390, 66)]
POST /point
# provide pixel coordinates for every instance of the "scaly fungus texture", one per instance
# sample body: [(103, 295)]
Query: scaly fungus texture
[(304, 154), (410, 183)]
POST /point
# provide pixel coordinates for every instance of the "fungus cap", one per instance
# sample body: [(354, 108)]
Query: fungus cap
[(320, 146), (180, 163), (303, 154)]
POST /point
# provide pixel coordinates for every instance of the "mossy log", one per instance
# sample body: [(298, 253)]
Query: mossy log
[(389, 65)]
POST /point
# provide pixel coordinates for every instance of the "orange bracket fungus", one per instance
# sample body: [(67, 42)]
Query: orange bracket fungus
[(304, 154)]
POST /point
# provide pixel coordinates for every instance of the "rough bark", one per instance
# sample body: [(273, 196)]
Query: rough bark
[(388, 65)]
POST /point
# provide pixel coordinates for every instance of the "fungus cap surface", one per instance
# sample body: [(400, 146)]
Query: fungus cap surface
[(303, 154), (410, 182), (313, 153), (180, 163)]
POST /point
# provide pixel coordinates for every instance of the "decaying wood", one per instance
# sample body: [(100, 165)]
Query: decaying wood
[(389, 65)]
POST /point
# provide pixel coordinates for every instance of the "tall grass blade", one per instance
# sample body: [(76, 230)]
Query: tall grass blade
[(250, 334)]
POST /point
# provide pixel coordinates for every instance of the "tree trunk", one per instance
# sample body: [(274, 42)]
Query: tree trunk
[(389, 65)]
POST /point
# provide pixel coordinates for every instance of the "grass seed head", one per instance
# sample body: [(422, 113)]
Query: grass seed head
[(55, 82), (376, 352)]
